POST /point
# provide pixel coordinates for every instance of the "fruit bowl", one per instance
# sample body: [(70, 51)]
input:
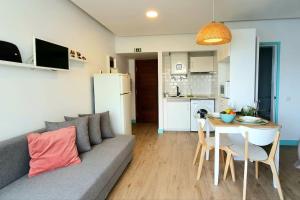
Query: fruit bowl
[(227, 118)]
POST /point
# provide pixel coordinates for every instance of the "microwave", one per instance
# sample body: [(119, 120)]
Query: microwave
[(225, 89)]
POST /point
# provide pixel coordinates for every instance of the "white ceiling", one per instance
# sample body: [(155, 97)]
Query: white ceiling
[(127, 18)]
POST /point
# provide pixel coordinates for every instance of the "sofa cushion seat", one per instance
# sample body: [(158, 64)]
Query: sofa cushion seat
[(84, 181)]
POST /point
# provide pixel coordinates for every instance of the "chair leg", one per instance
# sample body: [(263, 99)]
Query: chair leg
[(245, 180), (256, 170), (222, 156), (275, 175), (232, 169), (203, 149), (197, 153), (227, 165)]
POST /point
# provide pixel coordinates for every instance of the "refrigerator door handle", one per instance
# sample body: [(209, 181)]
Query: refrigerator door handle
[(126, 93)]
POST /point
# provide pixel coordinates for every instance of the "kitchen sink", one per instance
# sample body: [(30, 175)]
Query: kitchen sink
[(176, 96)]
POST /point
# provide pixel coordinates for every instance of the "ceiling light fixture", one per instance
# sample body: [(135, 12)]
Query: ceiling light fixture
[(214, 33), (151, 14)]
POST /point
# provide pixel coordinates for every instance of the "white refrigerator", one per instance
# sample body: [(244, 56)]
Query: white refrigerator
[(112, 93)]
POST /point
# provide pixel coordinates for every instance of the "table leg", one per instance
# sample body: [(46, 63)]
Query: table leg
[(207, 136), (216, 159)]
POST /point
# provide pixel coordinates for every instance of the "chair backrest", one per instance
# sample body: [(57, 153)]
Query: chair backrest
[(201, 123), (201, 136), (260, 136)]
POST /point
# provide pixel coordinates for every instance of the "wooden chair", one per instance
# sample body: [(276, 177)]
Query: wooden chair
[(252, 150), (205, 144)]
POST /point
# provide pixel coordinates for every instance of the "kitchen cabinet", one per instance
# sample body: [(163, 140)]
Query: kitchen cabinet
[(243, 67), (223, 104), (177, 115), (223, 53), (237, 63), (202, 64)]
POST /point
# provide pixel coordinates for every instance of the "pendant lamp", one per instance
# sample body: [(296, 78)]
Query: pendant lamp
[(214, 33)]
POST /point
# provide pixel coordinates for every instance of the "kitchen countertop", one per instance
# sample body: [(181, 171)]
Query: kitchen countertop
[(185, 98)]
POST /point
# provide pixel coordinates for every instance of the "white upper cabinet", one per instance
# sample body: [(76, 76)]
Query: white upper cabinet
[(202, 64), (179, 63), (243, 59), (223, 54)]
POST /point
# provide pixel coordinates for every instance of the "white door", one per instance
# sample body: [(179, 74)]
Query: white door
[(194, 122), (125, 84), (177, 116), (126, 113), (196, 105)]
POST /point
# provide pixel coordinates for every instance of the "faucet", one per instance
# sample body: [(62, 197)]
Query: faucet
[(177, 91)]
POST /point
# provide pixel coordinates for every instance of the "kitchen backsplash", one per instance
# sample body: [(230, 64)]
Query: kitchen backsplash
[(192, 83)]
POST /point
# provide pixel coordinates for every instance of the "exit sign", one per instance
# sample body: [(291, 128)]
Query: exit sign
[(137, 50)]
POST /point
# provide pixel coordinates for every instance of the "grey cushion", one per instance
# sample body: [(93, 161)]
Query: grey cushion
[(14, 159), (94, 128), (84, 181), (108, 187), (105, 125), (82, 133)]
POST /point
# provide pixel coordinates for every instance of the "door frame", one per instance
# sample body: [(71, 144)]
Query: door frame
[(276, 45)]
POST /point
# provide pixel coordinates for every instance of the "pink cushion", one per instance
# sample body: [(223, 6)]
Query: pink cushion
[(52, 150)]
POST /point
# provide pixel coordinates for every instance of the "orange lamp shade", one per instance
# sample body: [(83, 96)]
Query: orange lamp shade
[(214, 33)]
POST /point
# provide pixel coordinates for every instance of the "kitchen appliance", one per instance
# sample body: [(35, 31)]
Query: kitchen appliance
[(197, 109), (203, 64), (179, 63), (202, 113), (113, 93), (9, 52), (225, 90), (47, 54)]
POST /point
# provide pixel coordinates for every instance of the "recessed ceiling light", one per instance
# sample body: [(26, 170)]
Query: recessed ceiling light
[(151, 14)]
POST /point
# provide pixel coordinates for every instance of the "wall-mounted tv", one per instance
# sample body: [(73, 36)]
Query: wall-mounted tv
[(47, 54)]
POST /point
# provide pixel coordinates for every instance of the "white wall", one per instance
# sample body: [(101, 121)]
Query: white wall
[(28, 98), (122, 64), (287, 32), (160, 44), (223, 75), (194, 83)]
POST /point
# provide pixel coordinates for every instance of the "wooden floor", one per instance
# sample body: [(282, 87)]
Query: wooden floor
[(162, 169)]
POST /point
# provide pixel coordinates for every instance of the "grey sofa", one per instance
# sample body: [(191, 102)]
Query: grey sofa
[(92, 179)]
